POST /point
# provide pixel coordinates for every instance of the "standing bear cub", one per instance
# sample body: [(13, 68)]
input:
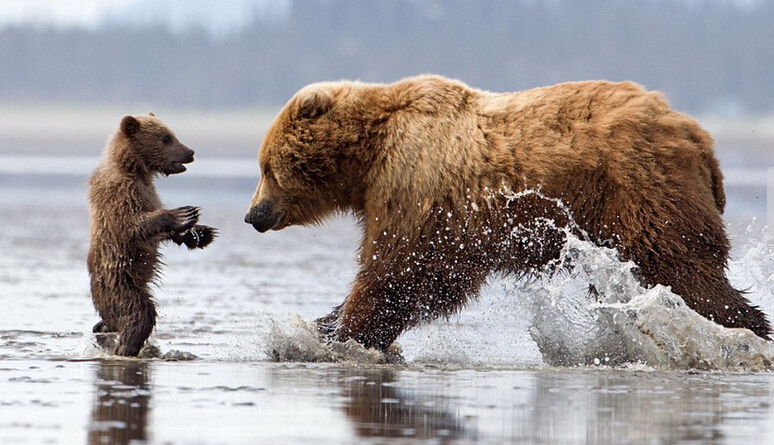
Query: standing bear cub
[(128, 223), (451, 184)]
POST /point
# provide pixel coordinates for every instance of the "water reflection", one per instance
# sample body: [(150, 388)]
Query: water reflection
[(295, 403), (626, 407), (379, 408), (569, 406), (389, 405), (120, 411)]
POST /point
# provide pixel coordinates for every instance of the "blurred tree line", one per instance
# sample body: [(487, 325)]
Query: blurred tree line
[(708, 56)]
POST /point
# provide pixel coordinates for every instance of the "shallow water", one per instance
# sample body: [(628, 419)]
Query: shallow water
[(493, 374), (257, 402)]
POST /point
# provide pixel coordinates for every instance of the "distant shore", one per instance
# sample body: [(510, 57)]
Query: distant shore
[(83, 130)]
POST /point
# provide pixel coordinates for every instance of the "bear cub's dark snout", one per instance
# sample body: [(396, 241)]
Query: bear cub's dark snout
[(184, 155), (187, 156)]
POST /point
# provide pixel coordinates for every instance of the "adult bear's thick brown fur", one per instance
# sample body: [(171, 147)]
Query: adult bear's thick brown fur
[(128, 223), (452, 183)]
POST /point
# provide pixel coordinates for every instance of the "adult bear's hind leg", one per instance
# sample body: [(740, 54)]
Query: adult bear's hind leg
[(728, 307)]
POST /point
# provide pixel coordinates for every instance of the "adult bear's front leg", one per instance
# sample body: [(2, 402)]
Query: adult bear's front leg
[(375, 312), (383, 304)]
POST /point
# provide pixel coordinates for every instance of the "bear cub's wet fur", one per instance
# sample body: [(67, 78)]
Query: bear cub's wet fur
[(128, 223)]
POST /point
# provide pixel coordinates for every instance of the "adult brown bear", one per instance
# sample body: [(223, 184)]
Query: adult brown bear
[(451, 184), (128, 223)]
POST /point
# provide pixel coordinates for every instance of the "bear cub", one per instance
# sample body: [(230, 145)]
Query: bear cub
[(128, 222)]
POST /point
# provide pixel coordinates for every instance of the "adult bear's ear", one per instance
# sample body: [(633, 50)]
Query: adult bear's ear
[(313, 103), (129, 125)]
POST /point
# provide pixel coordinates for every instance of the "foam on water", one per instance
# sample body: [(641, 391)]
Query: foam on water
[(627, 323), (101, 346), (293, 339)]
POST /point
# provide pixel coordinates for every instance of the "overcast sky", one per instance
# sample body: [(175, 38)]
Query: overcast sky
[(90, 13), (86, 13), (211, 14)]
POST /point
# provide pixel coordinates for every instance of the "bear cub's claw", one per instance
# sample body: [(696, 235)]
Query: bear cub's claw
[(185, 217)]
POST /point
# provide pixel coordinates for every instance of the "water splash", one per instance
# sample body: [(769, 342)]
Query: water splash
[(101, 346), (591, 311), (620, 322), (295, 339), (594, 312)]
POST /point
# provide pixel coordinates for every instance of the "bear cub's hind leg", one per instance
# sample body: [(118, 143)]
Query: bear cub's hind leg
[(103, 328), (137, 325)]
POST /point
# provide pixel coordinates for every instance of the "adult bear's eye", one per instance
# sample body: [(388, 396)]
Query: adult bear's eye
[(166, 139)]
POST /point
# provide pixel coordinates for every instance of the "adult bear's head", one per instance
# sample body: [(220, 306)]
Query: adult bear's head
[(311, 158)]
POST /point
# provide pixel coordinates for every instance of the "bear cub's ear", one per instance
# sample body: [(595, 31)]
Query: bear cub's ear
[(130, 125), (314, 103)]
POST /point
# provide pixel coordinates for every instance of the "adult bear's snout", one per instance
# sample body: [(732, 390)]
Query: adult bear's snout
[(263, 216)]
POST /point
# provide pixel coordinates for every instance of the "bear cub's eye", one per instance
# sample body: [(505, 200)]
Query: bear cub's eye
[(166, 139)]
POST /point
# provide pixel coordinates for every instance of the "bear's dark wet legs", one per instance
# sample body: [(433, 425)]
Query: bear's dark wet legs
[(373, 316), (136, 325), (103, 328), (692, 259), (724, 305), (381, 306)]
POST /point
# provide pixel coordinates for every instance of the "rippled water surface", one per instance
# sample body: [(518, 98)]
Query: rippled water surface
[(525, 364)]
